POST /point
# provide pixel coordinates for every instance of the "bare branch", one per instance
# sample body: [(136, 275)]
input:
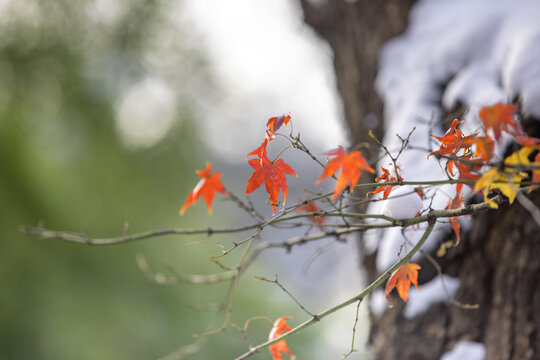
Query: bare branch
[(243, 330), (250, 209), (86, 240)]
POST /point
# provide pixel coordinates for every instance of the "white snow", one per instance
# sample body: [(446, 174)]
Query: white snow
[(476, 53), (378, 302), (404, 203), (267, 62), (440, 289), (468, 350)]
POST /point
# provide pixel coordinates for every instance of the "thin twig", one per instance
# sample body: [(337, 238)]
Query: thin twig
[(242, 265), (275, 281), (243, 329), (314, 255), (445, 289), (178, 277), (250, 209), (353, 332)]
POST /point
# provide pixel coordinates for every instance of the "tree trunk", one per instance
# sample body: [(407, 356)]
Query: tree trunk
[(356, 31), (497, 261)]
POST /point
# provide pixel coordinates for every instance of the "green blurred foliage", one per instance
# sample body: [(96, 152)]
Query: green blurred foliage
[(63, 164)]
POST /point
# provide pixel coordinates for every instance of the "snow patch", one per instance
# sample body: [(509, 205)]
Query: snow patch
[(378, 302), (469, 350), (476, 53), (430, 293), (404, 203)]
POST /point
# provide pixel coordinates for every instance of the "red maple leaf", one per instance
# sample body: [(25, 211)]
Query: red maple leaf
[(402, 278), (452, 142), (351, 168), (500, 117), (526, 140), (484, 148), (455, 203), (279, 328), (467, 169), (272, 174), (387, 177), (311, 207), (207, 186), (468, 161), (273, 124), (258, 151)]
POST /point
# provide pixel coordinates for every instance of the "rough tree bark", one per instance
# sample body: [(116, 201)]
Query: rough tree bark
[(498, 260)]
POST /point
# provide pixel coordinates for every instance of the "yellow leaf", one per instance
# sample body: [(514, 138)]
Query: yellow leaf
[(509, 185), (520, 157), (484, 184), (507, 182)]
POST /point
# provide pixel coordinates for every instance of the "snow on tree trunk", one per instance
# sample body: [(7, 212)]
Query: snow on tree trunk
[(498, 260)]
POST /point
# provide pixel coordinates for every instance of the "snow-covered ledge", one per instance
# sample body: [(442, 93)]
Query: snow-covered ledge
[(480, 53), (466, 350)]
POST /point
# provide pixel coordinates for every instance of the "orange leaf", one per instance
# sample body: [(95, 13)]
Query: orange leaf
[(351, 168), (258, 151), (387, 177), (279, 328), (207, 187), (525, 140), (500, 117), (455, 203), (484, 148), (453, 140), (402, 278), (311, 207), (272, 126), (466, 170), (272, 174)]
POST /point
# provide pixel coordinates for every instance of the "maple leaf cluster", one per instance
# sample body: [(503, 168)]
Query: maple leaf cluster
[(272, 173), (459, 151), (469, 154)]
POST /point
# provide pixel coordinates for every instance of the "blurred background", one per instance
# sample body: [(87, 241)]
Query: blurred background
[(107, 108)]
